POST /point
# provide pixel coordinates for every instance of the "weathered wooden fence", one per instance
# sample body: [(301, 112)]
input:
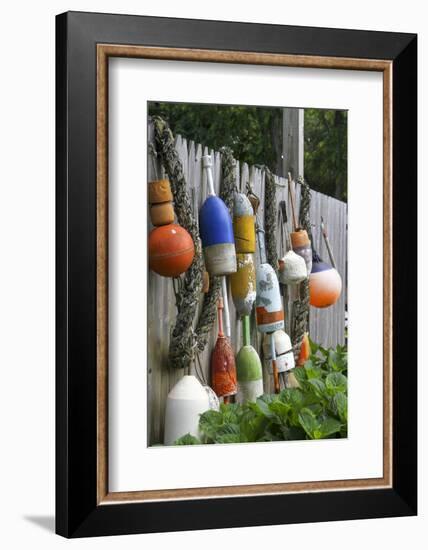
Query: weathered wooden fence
[(327, 326)]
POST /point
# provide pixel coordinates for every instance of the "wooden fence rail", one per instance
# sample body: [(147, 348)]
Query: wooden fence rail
[(327, 326)]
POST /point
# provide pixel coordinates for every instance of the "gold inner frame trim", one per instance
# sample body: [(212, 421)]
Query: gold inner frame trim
[(104, 51)]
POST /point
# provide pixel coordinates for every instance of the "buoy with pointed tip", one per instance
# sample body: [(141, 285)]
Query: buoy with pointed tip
[(325, 284), (186, 401), (292, 269), (223, 367), (243, 281), (302, 246), (305, 350), (269, 310), (248, 369), (171, 250), (216, 230), (284, 351)]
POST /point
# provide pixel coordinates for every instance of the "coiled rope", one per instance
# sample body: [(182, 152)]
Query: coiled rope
[(300, 323), (270, 220), (181, 348)]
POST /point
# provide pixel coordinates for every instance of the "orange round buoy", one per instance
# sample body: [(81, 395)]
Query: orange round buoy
[(171, 250), (325, 284)]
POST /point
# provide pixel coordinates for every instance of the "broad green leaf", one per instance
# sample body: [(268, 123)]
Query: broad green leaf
[(292, 396), (280, 410), (314, 347), (300, 374), (329, 426), (209, 423), (336, 382), (253, 426), (310, 423), (187, 439), (311, 370), (339, 405), (318, 387)]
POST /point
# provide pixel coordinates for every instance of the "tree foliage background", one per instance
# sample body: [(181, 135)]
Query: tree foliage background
[(255, 136)]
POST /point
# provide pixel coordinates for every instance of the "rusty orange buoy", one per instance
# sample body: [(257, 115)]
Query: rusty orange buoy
[(223, 368), (305, 350), (171, 250)]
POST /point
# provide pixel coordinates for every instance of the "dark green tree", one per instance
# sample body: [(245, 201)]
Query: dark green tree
[(326, 151), (255, 136), (253, 133)]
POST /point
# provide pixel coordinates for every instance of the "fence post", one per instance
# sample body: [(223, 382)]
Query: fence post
[(292, 142)]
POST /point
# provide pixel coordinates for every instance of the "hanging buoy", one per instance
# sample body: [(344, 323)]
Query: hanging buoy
[(223, 368), (325, 284), (244, 225), (292, 269), (305, 350), (160, 199), (269, 311), (302, 246), (283, 349), (248, 369), (243, 284), (216, 230), (171, 250), (185, 402)]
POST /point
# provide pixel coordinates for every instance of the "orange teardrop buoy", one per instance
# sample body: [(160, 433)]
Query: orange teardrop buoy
[(171, 250), (325, 284), (223, 367), (305, 351)]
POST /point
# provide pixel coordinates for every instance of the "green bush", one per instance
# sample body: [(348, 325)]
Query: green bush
[(317, 409)]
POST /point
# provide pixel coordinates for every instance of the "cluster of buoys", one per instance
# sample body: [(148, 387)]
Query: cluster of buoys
[(171, 248), (229, 247), (243, 286)]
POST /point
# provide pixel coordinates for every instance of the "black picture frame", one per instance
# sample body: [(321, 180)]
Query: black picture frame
[(77, 512)]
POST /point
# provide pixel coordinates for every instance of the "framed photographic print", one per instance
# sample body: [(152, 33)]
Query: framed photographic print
[(236, 274)]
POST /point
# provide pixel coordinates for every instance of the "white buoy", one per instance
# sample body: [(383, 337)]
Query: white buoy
[(269, 310), (283, 349), (187, 400), (292, 269)]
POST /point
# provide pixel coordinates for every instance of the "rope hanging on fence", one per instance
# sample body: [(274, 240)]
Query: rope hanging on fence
[(300, 323), (270, 220), (181, 348), (228, 186)]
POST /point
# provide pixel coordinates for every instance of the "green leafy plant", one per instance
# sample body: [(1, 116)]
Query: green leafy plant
[(317, 409)]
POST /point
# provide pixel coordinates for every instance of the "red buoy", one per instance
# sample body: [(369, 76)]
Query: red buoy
[(171, 250), (223, 368)]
